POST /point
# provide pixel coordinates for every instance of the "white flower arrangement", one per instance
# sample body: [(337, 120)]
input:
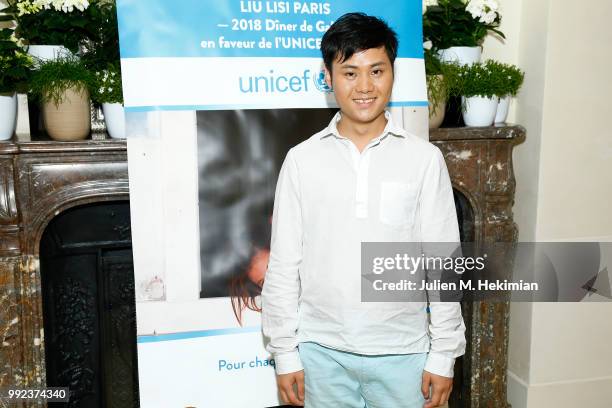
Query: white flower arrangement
[(460, 23), (485, 11), (66, 6), (54, 22)]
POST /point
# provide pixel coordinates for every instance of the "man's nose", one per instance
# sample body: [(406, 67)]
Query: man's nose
[(365, 84)]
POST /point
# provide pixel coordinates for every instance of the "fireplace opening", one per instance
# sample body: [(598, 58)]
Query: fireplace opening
[(466, 221), (465, 217), (89, 311)]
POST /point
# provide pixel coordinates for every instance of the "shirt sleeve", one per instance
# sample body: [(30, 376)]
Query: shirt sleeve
[(280, 292), (439, 224)]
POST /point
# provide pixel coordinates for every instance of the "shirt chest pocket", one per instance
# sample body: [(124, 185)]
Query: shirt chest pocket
[(398, 202)]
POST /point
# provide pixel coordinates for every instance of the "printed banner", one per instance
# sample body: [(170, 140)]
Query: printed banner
[(211, 55), (226, 56), (180, 370)]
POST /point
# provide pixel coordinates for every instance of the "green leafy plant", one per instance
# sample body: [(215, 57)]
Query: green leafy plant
[(15, 64), (509, 77), (437, 93), (490, 79), (107, 87), (441, 80), (52, 22), (52, 78), (480, 79), (433, 64), (437, 87), (460, 23), (102, 56), (102, 47)]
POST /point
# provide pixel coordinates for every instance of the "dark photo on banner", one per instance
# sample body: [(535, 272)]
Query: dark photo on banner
[(240, 154)]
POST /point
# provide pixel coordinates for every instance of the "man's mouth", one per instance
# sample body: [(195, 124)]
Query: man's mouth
[(364, 101)]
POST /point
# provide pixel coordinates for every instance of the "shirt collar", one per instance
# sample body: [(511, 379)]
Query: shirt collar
[(390, 128)]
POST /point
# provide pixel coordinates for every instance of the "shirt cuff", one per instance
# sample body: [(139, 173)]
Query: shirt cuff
[(440, 364), (286, 363)]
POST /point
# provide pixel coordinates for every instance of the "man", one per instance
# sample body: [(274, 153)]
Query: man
[(360, 179)]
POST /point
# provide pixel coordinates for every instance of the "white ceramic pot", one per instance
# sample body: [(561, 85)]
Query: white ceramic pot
[(114, 116), (8, 115), (461, 55), (71, 119), (502, 109), (48, 52), (479, 111)]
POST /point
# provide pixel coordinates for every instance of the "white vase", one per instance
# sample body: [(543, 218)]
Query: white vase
[(461, 55), (502, 109), (44, 53), (479, 111), (8, 115), (114, 116)]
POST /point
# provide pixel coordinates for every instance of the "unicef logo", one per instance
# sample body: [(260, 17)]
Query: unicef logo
[(319, 81)]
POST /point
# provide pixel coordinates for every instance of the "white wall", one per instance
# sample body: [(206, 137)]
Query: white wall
[(576, 145), (559, 353)]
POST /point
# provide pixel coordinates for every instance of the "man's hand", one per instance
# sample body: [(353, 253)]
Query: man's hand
[(441, 388), (285, 384)]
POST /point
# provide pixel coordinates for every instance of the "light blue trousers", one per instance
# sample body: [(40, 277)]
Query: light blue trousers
[(338, 379)]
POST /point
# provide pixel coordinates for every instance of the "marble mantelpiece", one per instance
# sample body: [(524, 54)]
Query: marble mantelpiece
[(479, 162)]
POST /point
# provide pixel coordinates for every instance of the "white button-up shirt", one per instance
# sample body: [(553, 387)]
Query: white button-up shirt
[(329, 199)]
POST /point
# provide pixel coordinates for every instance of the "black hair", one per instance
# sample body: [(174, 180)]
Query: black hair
[(354, 32)]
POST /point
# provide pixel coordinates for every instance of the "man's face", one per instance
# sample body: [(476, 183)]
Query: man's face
[(362, 84)]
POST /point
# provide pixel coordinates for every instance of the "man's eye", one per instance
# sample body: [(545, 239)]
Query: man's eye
[(377, 72), (350, 75)]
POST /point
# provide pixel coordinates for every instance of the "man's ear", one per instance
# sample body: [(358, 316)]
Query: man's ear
[(328, 79)]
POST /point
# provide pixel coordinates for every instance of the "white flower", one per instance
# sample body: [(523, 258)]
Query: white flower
[(475, 7), (78, 4), (58, 5), (66, 6), (27, 7), (489, 17), (101, 90), (427, 45), (484, 11)]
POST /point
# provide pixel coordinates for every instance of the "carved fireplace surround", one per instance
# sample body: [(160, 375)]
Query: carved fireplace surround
[(39, 180)]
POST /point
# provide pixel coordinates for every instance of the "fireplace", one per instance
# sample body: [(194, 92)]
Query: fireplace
[(65, 256), (89, 312), (45, 184)]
